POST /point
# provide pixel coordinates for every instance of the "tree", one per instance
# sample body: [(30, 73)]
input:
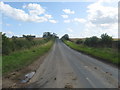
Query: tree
[(47, 35), (29, 37), (66, 37), (87, 42), (92, 41), (14, 37), (54, 35), (106, 40)]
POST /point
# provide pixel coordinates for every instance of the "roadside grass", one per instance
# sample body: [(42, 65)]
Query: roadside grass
[(0, 64), (20, 59), (0, 61), (107, 54)]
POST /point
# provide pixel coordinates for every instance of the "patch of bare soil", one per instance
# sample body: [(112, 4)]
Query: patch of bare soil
[(13, 79)]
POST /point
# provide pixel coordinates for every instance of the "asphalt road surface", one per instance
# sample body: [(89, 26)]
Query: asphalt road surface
[(67, 68)]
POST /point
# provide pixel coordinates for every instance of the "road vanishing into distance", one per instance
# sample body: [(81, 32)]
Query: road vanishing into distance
[(67, 68)]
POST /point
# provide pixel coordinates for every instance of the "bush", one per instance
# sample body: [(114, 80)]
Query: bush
[(79, 41), (106, 40), (118, 44), (92, 41), (13, 44), (6, 45)]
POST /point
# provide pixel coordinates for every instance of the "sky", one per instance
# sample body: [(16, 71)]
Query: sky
[(77, 19)]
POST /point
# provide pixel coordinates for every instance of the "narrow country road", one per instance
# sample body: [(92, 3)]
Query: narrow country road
[(65, 67)]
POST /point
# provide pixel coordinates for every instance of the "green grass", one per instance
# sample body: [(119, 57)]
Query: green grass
[(23, 58), (0, 65), (108, 54), (0, 61)]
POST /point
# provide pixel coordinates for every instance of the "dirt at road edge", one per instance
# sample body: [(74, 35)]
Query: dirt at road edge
[(13, 79)]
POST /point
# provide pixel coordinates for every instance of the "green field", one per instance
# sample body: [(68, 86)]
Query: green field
[(108, 54), (17, 60)]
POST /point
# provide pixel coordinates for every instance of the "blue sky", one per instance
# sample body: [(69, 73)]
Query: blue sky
[(73, 18)]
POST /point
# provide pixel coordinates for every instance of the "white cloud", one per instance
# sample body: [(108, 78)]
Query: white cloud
[(100, 13), (64, 16), (81, 20), (53, 21), (68, 11), (12, 12), (102, 18), (9, 33), (69, 30), (67, 21), (35, 9), (35, 13), (71, 35), (104, 25), (48, 16)]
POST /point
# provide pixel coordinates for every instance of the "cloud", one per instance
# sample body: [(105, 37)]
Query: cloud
[(12, 12), (36, 13), (81, 20), (102, 18), (67, 21), (68, 11), (64, 16), (100, 13), (71, 35), (53, 21), (69, 30), (48, 16), (34, 9), (9, 33)]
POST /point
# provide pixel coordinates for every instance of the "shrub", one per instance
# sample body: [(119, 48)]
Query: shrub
[(118, 44), (6, 45), (106, 40), (13, 44), (79, 41), (92, 41)]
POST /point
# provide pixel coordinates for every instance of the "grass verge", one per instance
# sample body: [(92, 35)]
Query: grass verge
[(106, 54), (0, 65), (22, 58)]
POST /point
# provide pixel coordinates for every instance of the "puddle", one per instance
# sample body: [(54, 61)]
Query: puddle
[(28, 77)]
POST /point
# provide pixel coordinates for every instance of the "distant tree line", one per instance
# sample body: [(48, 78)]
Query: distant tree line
[(15, 43), (104, 41), (49, 35)]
